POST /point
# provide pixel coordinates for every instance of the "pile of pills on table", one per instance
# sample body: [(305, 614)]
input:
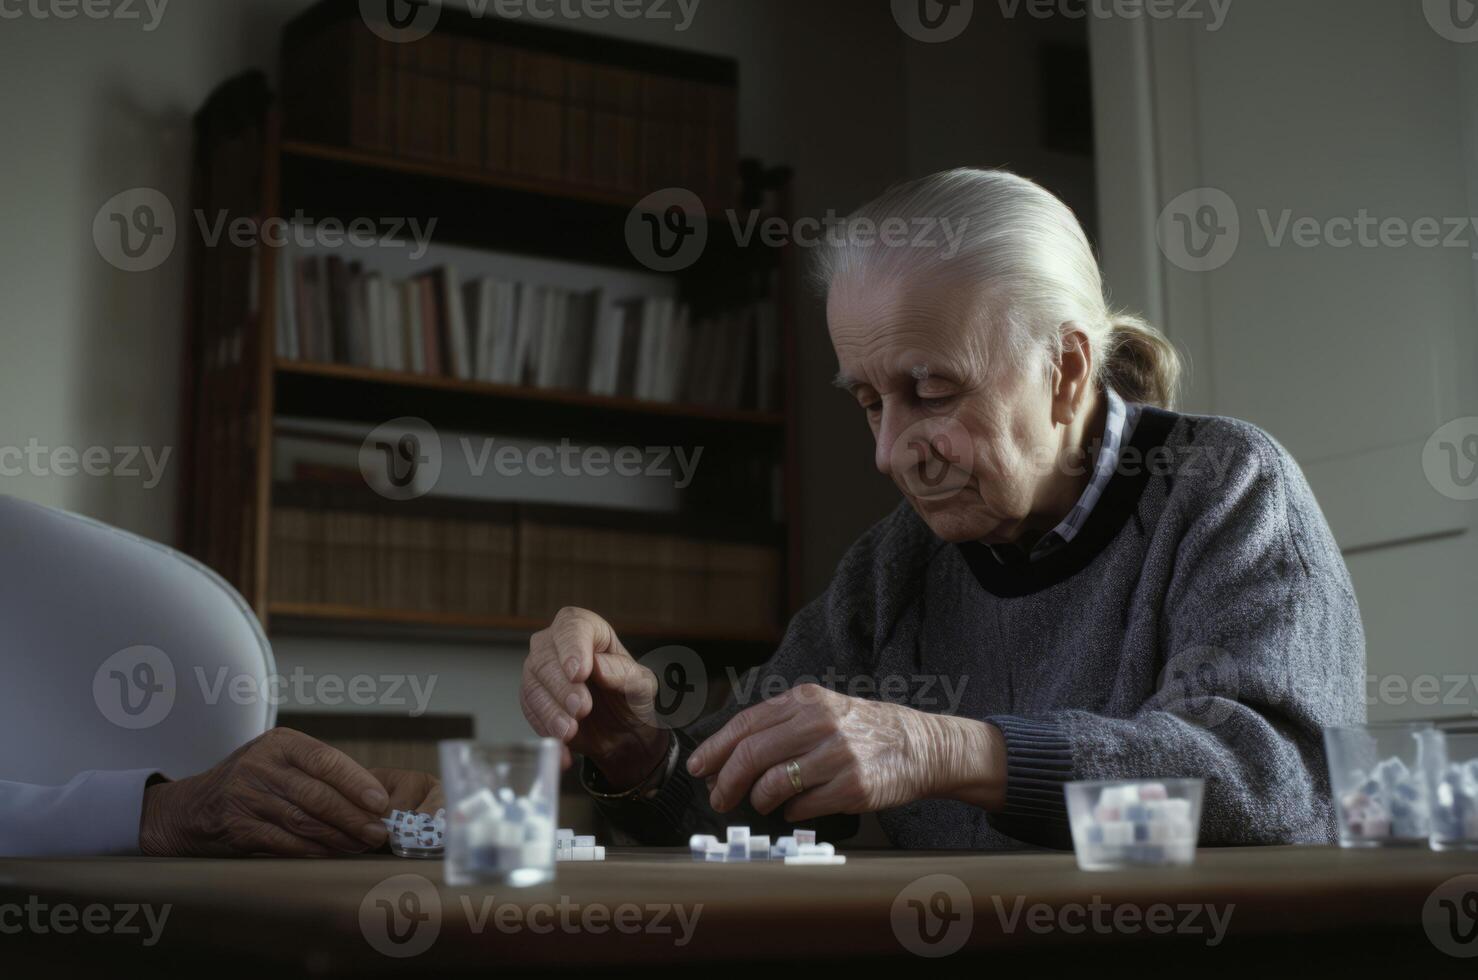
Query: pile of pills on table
[(1387, 803), (1139, 824), (1455, 806), (505, 832), (416, 832), (740, 845), (568, 846)]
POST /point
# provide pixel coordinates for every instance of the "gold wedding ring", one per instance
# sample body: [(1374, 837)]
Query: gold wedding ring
[(793, 769)]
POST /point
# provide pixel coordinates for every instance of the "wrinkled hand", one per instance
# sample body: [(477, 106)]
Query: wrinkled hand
[(283, 793), (411, 790), (582, 687), (855, 755)]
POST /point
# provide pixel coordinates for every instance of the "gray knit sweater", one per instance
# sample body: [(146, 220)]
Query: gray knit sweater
[(1202, 623)]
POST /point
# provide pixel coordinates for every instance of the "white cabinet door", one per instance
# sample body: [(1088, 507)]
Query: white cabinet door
[(1290, 197)]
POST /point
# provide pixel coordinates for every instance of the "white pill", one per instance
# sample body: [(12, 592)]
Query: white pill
[(479, 805)]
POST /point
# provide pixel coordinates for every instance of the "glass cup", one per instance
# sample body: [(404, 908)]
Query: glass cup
[(502, 804), (1452, 787), (1134, 823), (416, 834), (1378, 776)]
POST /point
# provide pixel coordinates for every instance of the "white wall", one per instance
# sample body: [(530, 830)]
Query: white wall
[(1351, 356), (89, 355)]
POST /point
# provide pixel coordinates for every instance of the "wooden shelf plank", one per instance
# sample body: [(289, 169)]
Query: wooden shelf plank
[(523, 393), (522, 625), (562, 190), (528, 216), (465, 175)]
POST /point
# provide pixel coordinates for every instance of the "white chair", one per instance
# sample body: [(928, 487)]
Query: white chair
[(119, 653)]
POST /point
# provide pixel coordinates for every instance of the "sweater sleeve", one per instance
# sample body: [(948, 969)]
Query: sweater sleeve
[(1262, 648), (834, 635)]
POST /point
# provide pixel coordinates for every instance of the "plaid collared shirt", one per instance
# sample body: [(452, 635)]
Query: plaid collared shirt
[(1116, 432)]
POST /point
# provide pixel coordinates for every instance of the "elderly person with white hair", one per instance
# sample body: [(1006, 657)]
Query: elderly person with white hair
[(1115, 590)]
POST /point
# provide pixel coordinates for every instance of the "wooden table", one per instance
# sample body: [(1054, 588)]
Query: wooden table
[(649, 910)]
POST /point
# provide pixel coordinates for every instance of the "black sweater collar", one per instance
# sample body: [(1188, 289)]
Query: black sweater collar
[(1108, 517)]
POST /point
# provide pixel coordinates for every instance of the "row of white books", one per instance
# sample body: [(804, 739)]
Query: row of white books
[(522, 333)]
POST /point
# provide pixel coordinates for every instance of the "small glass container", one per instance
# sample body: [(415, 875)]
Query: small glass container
[(1378, 776), (502, 811), (1134, 823), (1451, 760), (415, 834)]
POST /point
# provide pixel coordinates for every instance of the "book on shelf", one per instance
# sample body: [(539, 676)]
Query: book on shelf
[(332, 545), (645, 577), (431, 327), (454, 322), (653, 317), (536, 103), (492, 306), (331, 548), (624, 380), (767, 354), (287, 344), (523, 333)]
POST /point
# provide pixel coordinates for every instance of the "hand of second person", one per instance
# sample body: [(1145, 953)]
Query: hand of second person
[(283, 793), (411, 790), (852, 755)]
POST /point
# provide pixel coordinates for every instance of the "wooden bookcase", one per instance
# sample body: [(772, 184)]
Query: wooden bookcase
[(236, 390)]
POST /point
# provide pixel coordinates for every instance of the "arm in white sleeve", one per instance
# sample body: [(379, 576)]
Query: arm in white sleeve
[(97, 813)]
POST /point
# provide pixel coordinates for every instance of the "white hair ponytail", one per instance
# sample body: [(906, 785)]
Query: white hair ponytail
[(1019, 245), (1140, 363)]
